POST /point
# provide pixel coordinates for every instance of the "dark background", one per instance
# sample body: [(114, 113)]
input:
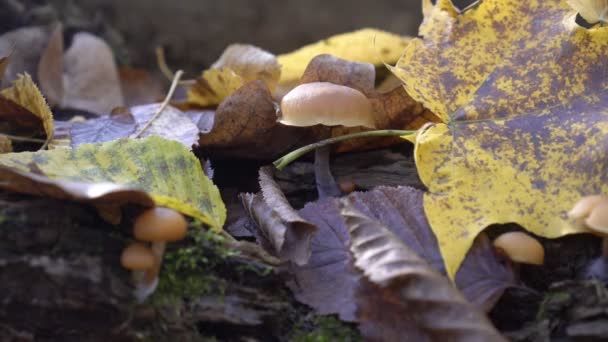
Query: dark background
[(194, 32)]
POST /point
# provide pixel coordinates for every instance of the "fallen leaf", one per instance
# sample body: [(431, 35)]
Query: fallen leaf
[(50, 68), (90, 76), (102, 193), (165, 169), (407, 299), (139, 87), (394, 109), (22, 102), (366, 46), (526, 118), (171, 124), (6, 146), (213, 87), (245, 125), (251, 63), (482, 277), (3, 64), (102, 129), (25, 47), (237, 65), (280, 226)]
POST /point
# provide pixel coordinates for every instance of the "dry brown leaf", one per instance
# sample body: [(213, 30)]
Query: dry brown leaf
[(245, 126), (394, 109), (25, 46), (50, 68), (405, 298), (139, 87), (6, 146), (90, 77), (3, 64)]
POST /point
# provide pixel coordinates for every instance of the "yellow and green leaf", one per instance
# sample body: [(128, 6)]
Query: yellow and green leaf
[(523, 92), (165, 169)]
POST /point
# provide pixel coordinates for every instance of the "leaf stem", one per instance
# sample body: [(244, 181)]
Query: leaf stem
[(282, 162), (163, 105), (24, 139)]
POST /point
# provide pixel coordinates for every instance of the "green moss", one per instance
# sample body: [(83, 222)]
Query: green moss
[(325, 329), (187, 270)]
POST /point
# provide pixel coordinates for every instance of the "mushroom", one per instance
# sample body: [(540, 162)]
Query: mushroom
[(158, 226), (593, 211), (326, 104), (520, 247), (140, 259), (593, 11)]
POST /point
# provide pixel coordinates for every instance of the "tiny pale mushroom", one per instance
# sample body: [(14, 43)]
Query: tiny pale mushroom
[(328, 104), (158, 226), (140, 259), (594, 211), (520, 247)]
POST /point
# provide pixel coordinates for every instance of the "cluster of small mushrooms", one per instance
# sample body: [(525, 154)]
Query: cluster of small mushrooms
[(153, 229)]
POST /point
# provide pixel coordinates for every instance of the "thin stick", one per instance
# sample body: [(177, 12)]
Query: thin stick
[(162, 107), (282, 162), (24, 139), (165, 70)]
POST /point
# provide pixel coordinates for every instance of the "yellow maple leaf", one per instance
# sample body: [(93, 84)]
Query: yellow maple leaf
[(523, 92), (365, 45), (26, 94)]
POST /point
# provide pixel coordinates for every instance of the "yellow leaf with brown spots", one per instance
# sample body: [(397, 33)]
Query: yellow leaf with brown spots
[(524, 94)]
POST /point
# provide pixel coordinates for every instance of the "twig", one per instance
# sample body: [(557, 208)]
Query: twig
[(24, 139), (164, 68), (162, 107), (282, 162)]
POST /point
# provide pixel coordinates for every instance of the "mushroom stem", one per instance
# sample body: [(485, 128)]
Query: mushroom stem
[(282, 162), (158, 248), (326, 184)]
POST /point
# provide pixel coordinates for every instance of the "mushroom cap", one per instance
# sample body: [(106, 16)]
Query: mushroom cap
[(597, 221), (585, 205), (160, 224), (521, 248), (327, 104), (137, 257)]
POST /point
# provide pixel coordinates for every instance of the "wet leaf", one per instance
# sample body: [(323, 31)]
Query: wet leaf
[(90, 76), (23, 104), (238, 65), (407, 299), (366, 46), (526, 118), (165, 169), (482, 278)]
